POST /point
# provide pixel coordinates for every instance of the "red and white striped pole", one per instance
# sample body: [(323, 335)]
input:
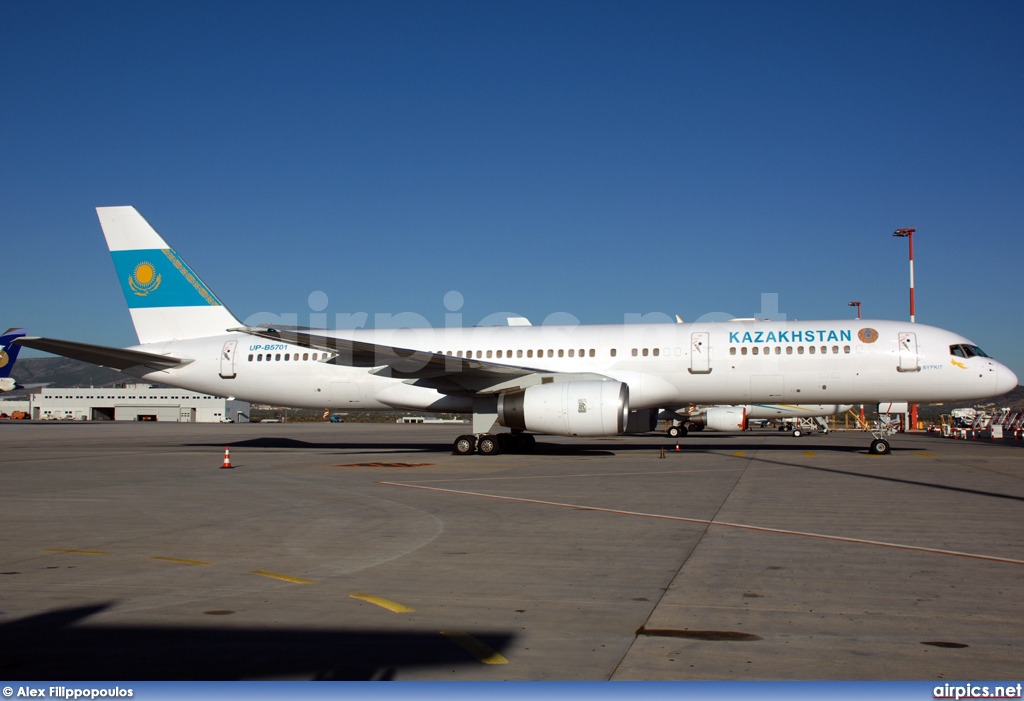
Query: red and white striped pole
[(909, 234)]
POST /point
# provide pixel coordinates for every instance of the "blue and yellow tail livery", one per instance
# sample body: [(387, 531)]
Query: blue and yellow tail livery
[(167, 300), (9, 351)]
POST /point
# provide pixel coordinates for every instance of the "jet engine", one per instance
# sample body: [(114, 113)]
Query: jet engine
[(590, 408), (726, 418)]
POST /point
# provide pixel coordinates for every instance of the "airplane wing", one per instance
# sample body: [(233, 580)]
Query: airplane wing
[(116, 358), (445, 372)]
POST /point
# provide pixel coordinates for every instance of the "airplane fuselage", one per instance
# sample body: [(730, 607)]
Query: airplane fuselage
[(810, 362)]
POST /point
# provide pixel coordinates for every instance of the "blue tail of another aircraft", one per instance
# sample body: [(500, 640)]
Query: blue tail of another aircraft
[(9, 351)]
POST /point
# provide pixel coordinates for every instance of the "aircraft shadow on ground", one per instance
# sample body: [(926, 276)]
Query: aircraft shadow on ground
[(397, 446), (58, 645)]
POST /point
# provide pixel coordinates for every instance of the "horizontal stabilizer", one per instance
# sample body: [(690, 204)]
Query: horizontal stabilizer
[(116, 358)]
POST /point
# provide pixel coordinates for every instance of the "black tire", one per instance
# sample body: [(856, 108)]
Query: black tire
[(488, 445), (464, 445), (880, 447), (797, 433), (677, 431)]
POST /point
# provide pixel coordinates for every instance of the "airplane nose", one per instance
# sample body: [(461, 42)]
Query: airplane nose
[(1006, 380)]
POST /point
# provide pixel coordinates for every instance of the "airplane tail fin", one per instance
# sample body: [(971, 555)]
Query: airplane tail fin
[(9, 351), (166, 299)]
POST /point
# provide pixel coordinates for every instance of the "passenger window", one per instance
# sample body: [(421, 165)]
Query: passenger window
[(250, 360), (551, 353), (613, 352), (789, 350), (810, 349), (656, 351), (529, 353), (277, 357), (778, 350), (519, 354), (489, 353), (314, 356), (645, 352), (732, 351), (499, 353), (305, 356), (259, 357), (572, 353), (799, 350), (591, 352), (754, 350), (743, 350), (846, 349), (835, 350), (634, 352)]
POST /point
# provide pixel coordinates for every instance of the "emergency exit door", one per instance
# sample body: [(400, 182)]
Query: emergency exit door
[(908, 352), (700, 353), (227, 360)]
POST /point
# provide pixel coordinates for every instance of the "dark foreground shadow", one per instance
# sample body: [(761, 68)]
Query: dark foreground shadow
[(59, 645)]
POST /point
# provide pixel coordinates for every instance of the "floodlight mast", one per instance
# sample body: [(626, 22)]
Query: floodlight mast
[(908, 233)]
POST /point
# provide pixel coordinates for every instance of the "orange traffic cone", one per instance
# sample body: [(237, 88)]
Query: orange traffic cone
[(227, 459), (677, 446)]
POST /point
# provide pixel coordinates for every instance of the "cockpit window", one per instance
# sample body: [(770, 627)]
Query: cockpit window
[(964, 350)]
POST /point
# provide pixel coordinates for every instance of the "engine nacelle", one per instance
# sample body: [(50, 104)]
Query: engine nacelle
[(592, 408), (726, 418)]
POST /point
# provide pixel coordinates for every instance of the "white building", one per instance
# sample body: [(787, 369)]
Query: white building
[(138, 402)]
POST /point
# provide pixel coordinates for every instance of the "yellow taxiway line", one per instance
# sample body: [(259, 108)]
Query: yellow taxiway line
[(477, 649), (382, 602), (283, 577)]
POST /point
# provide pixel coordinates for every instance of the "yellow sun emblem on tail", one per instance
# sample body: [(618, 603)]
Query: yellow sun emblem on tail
[(3, 358), (144, 279)]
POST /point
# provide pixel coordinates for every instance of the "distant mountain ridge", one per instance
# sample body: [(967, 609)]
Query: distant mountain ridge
[(64, 372)]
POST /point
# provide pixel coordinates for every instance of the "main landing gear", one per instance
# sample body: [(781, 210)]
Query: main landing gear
[(494, 444)]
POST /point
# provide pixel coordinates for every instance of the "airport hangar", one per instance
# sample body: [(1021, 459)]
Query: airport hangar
[(133, 402)]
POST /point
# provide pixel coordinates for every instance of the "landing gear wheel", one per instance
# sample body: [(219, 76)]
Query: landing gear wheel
[(526, 443), (464, 445), (797, 433), (879, 447), (488, 445), (676, 431)]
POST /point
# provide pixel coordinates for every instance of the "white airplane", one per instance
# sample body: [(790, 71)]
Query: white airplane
[(562, 380)]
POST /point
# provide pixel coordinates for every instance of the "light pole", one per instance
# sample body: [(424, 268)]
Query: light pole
[(909, 234), (855, 304)]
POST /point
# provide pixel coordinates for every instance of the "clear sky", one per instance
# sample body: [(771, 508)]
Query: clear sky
[(592, 159)]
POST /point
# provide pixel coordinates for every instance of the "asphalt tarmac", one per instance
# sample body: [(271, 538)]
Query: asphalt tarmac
[(368, 551)]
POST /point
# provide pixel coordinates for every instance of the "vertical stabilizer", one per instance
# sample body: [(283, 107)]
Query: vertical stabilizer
[(9, 351), (166, 299)]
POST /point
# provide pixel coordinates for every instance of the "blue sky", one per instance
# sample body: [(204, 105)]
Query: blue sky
[(594, 159)]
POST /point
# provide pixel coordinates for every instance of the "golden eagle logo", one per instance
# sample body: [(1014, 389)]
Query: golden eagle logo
[(867, 335), (3, 357), (144, 279)]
